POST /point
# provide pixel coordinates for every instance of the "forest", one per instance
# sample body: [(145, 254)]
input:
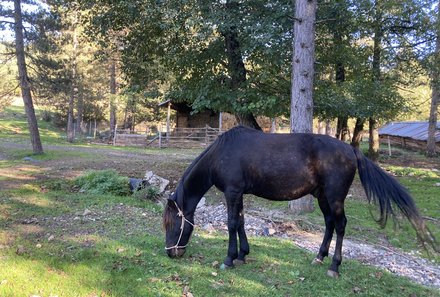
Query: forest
[(114, 61)]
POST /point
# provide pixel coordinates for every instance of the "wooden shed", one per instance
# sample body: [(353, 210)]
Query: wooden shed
[(413, 135), (186, 119)]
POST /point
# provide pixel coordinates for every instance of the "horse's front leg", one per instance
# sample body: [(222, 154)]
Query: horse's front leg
[(244, 245), (235, 224)]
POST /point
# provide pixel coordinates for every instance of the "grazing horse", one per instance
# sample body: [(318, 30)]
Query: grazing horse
[(281, 167)]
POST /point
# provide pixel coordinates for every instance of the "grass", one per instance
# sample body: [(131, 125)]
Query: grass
[(50, 247), (122, 264)]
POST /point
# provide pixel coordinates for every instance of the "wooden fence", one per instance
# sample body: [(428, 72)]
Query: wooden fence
[(179, 137)]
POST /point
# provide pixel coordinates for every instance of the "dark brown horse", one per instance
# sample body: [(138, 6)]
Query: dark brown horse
[(282, 167)]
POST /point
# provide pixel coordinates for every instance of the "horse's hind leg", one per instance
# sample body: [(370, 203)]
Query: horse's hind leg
[(337, 210), (329, 229)]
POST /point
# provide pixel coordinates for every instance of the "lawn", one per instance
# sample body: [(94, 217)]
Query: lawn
[(57, 241)]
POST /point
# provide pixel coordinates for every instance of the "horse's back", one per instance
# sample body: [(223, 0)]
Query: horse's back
[(279, 166)]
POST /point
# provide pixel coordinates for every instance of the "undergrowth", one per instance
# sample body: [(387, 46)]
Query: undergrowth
[(103, 182)]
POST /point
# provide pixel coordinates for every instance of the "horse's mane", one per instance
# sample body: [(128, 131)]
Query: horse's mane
[(226, 137)]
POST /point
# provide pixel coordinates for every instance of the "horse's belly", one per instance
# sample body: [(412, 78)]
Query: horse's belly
[(282, 190)]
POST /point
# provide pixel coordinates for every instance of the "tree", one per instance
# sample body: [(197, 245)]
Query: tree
[(435, 86), (74, 85), (225, 55), (301, 112), (24, 80)]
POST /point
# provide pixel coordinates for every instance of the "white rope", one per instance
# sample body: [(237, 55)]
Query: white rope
[(182, 226)]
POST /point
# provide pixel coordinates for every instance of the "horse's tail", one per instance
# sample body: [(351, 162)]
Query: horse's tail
[(385, 191)]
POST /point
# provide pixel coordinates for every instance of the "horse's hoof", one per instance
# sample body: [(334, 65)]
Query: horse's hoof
[(316, 261), (238, 262), (224, 266), (333, 274)]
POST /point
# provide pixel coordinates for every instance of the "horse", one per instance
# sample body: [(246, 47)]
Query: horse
[(282, 167)]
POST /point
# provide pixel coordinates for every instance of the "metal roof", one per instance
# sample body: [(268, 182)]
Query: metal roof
[(415, 130)]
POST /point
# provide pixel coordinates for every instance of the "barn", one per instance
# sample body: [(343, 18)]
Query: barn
[(412, 135)]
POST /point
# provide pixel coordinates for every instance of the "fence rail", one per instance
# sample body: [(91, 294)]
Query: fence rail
[(179, 137)]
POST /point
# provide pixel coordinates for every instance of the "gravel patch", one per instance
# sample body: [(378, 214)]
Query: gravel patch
[(214, 218)]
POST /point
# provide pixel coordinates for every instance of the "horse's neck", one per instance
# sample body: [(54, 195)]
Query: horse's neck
[(196, 184)]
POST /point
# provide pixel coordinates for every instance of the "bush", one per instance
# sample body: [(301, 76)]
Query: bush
[(57, 185), (148, 193), (103, 182)]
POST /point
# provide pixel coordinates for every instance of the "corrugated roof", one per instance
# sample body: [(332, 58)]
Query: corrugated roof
[(415, 130)]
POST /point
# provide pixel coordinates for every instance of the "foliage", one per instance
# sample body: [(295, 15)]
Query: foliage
[(103, 182), (409, 171), (149, 193)]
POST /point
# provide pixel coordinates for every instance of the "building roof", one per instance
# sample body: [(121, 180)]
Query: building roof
[(414, 130)]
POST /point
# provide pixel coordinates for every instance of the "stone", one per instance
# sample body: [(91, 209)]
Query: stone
[(202, 202), (157, 181), (86, 212)]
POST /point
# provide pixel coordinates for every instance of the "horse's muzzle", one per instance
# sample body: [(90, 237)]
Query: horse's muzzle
[(175, 253)]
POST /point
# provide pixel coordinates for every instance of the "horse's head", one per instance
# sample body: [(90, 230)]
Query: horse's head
[(178, 228)]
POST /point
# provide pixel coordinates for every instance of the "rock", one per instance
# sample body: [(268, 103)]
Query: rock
[(437, 184), (29, 159), (136, 184), (20, 250), (271, 231), (265, 231), (202, 202), (215, 264), (157, 181), (86, 212), (51, 238)]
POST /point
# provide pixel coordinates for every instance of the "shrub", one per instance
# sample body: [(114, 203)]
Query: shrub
[(148, 193), (103, 182)]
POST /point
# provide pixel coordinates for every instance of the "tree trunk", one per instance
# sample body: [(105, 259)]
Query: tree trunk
[(342, 129), (435, 86), (328, 128), (70, 115), (112, 97), (236, 67), (301, 111), (80, 115), (373, 151), (37, 148), (358, 132), (377, 56)]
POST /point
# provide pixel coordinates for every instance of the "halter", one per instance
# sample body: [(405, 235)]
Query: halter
[(182, 225)]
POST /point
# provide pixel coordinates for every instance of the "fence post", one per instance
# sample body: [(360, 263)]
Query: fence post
[(114, 137), (160, 138), (389, 146), (94, 132)]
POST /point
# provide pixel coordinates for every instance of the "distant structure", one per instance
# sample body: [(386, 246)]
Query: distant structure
[(413, 135)]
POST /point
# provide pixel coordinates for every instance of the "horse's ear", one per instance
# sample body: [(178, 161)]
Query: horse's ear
[(172, 197)]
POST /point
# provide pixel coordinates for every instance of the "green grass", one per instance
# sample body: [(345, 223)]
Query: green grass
[(123, 263), (119, 251), (13, 125)]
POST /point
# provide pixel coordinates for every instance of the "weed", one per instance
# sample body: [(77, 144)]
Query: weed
[(148, 193), (103, 182), (409, 171)]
